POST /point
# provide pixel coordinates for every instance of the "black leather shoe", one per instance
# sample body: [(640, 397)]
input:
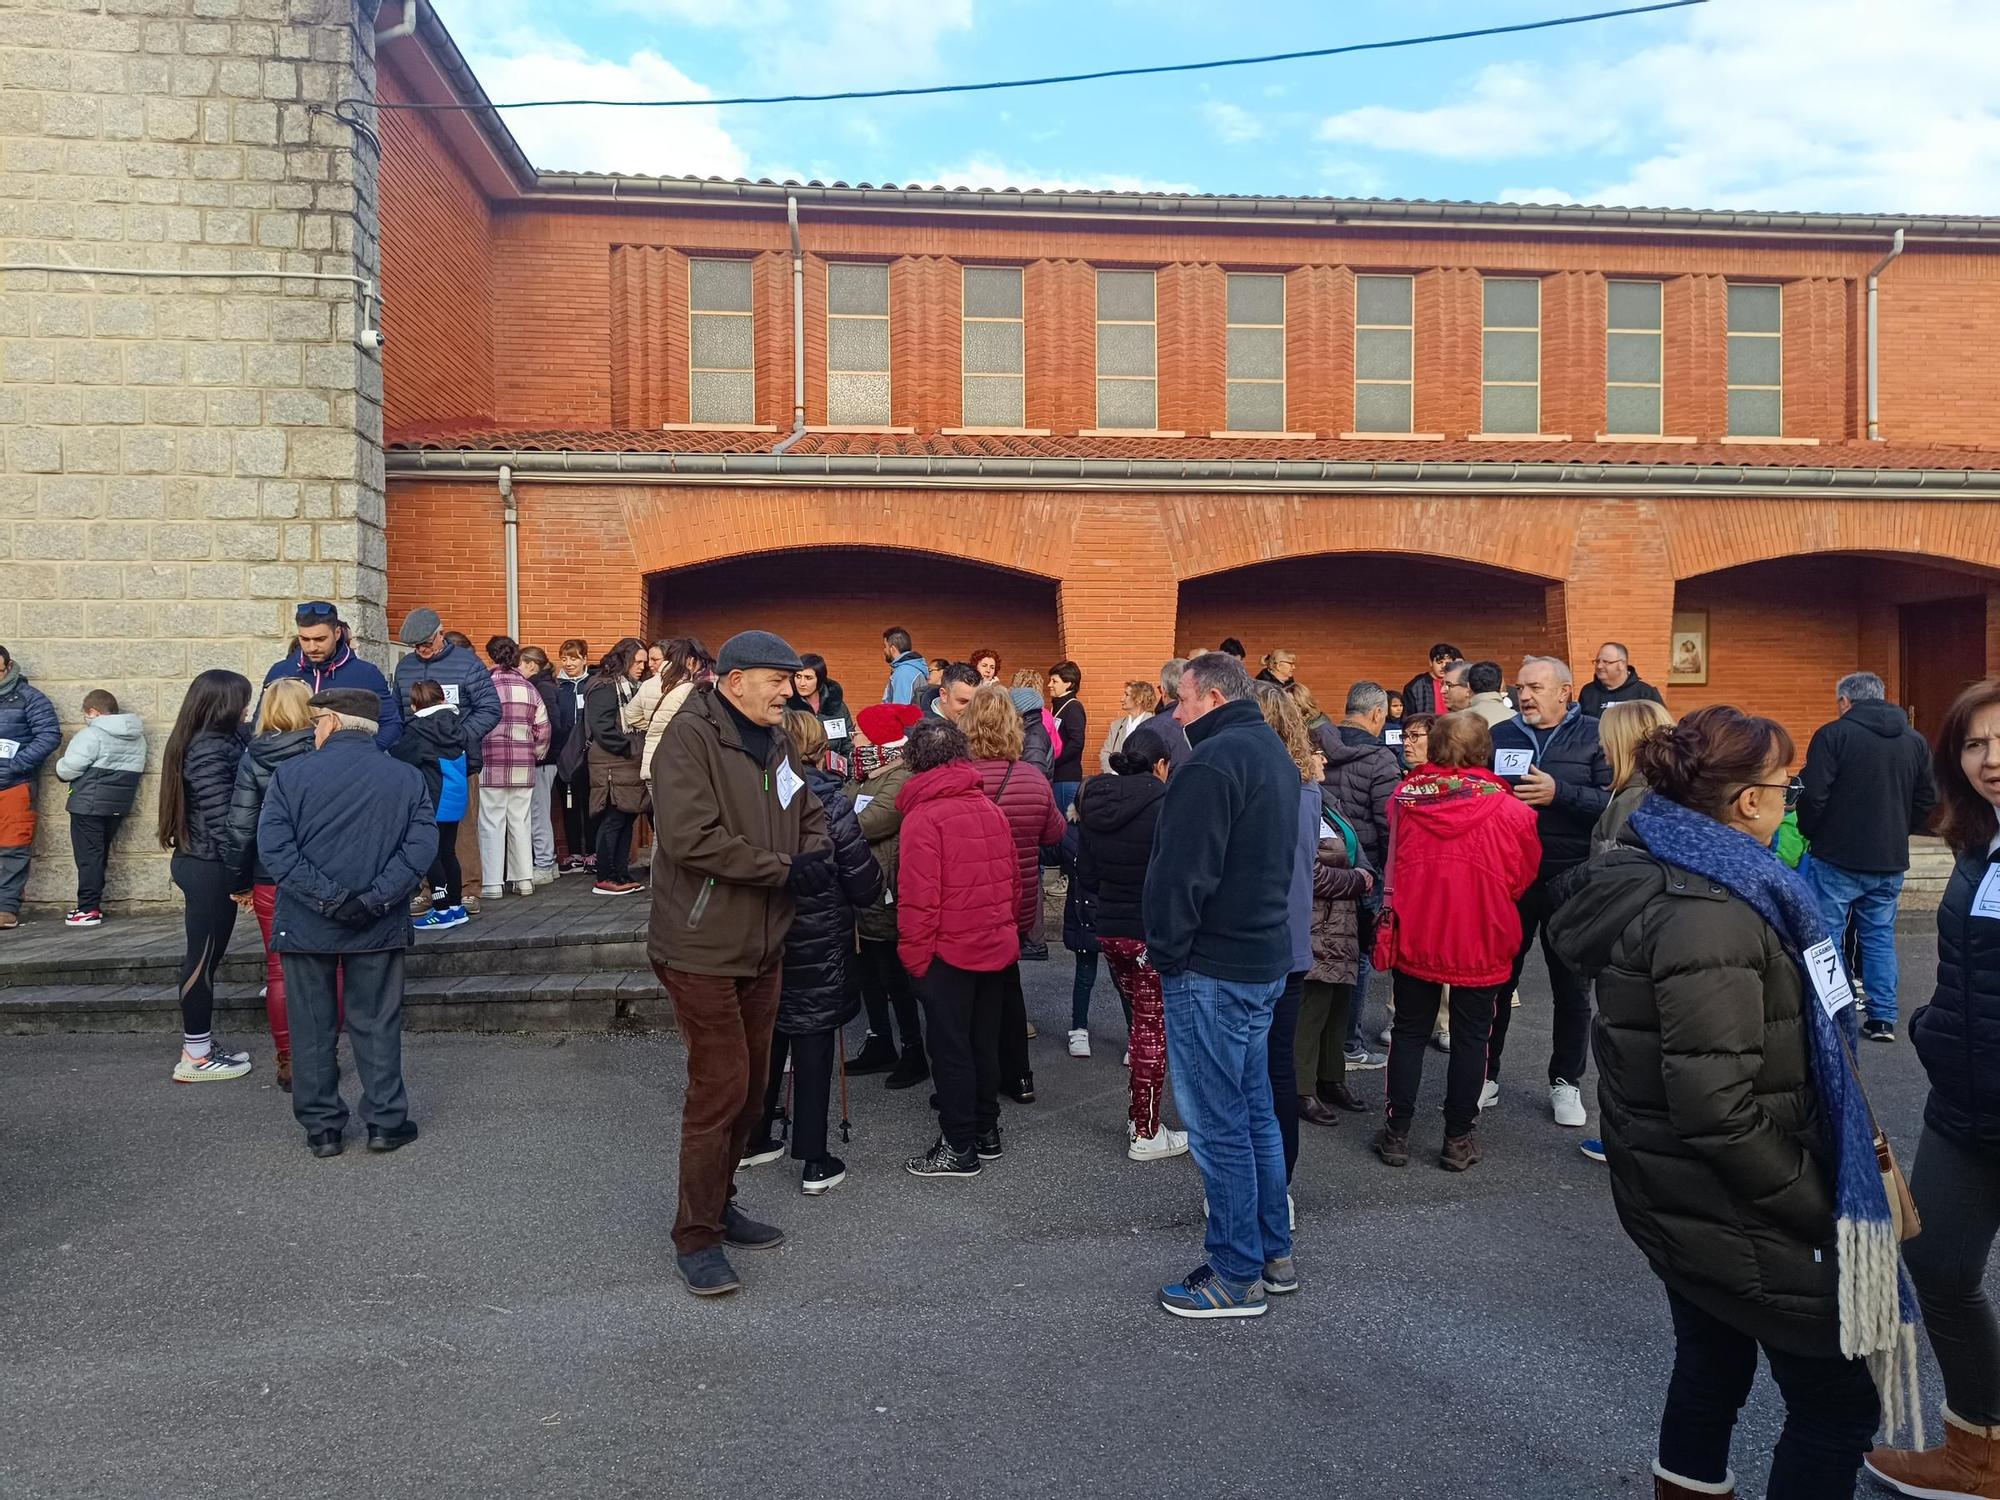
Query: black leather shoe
[(1315, 1113), (393, 1139), (911, 1069), (1340, 1096), (1021, 1090), (741, 1232), (877, 1055), (325, 1142)]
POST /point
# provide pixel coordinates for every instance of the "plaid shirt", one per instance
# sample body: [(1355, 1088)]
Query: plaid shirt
[(511, 750)]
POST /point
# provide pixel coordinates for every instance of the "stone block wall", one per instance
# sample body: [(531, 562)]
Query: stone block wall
[(183, 457)]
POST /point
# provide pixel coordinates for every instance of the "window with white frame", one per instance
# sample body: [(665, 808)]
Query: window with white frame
[(857, 346), (1632, 374), (1127, 369), (1256, 370), (1756, 361), (721, 346), (1511, 356), (995, 348), (1384, 353)]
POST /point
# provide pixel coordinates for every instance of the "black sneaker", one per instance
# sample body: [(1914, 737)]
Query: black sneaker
[(911, 1069), (741, 1232), (1034, 952), (988, 1145), (818, 1176), (1878, 1031), (324, 1143), (394, 1138), (942, 1161), (766, 1147), (707, 1273), (877, 1055)]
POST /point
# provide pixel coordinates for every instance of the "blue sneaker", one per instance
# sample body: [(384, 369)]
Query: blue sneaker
[(439, 917), (1203, 1294), (1592, 1148)]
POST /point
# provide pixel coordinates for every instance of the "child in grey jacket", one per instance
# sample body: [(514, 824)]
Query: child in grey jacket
[(102, 766)]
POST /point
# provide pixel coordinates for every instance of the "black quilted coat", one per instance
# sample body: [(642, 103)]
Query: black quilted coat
[(820, 992), (1957, 1035), (208, 777), (260, 760)]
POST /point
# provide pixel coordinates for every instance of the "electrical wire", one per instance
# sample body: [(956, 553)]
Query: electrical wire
[(1030, 83)]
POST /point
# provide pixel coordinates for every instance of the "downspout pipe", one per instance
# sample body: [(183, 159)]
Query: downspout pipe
[(798, 327), (404, 27), (1874, 340), (511, 526)]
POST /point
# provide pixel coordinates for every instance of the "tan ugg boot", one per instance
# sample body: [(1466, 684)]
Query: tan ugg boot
[(1967, 1467), (1670, 1486)]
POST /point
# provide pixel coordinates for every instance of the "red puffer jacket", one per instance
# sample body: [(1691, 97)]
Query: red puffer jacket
[(1025, 796), (1462, 850), (956, 874)]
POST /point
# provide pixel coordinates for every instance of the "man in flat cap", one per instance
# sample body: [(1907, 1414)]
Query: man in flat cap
[(468, 687), (347, 834), (738, 833)]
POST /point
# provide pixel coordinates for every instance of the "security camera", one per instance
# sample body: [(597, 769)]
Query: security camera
[(371, 338)]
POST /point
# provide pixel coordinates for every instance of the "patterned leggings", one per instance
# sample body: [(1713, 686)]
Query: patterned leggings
[(1139, 983)]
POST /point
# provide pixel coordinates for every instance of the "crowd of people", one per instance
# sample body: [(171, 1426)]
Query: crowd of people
[(1717, 933)]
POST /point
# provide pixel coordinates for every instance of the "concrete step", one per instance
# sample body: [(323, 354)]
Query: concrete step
[(592, 1000)]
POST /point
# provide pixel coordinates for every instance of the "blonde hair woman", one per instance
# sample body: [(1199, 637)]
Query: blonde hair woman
[(1621, 729), (1280, 667), (1282, 714), (1134, 709)]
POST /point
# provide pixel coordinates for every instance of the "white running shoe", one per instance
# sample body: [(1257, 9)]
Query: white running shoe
[(1128, 1057), (217, 1067), (1489, 1094), (1156, 1147), (1079, 1043), (1566, 1103)]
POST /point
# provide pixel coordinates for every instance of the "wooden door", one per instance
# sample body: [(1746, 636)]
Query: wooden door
[(1943, 649)]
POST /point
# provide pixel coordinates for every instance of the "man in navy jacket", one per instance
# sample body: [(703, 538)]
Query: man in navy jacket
[(326, 659), (468, 687), (347, 834)]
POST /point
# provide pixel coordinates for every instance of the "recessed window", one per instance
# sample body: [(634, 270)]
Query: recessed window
[(1511, 356), (1256, 375), (1127, 384), (721, 349), (1384, 353), (1632, 359), (1756, 362), (995, 345), (857, 346)]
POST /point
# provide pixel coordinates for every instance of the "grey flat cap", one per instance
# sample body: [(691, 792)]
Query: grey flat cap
[(748, 649), (419, 625)]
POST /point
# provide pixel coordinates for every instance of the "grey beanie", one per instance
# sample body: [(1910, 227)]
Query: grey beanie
[(748, 649), (1026, 699), (419, 625)]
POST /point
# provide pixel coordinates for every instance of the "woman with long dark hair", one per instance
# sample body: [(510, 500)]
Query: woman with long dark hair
[(617, 791), (684, 663), (1956, 1177), (197, 779)]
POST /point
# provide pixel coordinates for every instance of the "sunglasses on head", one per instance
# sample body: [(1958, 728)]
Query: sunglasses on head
[(317, 609)]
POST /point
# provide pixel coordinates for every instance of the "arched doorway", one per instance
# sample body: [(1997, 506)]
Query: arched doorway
[(1374, 615), (838, 601)]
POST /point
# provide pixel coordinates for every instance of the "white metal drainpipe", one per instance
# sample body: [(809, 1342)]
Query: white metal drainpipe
[(1874, 341), (405, 26), (511, 521), (798, 327)]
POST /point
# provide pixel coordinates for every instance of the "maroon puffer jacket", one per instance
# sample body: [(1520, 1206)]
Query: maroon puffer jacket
[(1025, 796), (958, 907)]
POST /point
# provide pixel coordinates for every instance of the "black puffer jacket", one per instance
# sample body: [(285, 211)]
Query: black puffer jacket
[(832, 715), (208, 779), (1710, 1118), (1036, 747), (820, 992), (261, 757), (1574, 755), (1957, 1035), (1361, 772), (1116, 819)]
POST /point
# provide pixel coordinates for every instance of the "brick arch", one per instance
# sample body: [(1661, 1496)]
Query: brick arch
[(1707, 536), (675, 528), (1528, 535)]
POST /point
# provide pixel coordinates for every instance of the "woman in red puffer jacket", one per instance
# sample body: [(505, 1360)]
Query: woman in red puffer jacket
[(1462, 850), (958, 933)]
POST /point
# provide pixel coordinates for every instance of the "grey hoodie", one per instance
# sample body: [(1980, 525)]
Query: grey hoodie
[(103, 765)]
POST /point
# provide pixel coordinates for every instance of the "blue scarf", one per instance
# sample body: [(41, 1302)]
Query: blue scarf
[(1878, 1308)]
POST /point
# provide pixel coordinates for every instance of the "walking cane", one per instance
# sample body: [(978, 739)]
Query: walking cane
[(840, 1061)]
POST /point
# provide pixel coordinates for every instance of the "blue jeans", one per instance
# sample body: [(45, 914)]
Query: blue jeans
[(1218, 1036), (1872, 900), (1065, 794), (1357, 1013)]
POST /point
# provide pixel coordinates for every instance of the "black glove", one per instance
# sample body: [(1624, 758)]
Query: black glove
[(811, 873), (354, 912)]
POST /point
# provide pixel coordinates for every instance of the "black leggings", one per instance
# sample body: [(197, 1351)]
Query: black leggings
[(614, 845), (1958, 1195), (1280, 1053), (210, 919), (445, 869)]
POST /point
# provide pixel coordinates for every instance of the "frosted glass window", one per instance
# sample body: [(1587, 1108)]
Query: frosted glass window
[(1384, 353), (1256, 377), (1632, 379), (1511, 376), (1756, 361), (857, 346), (721, 343), (1127, 368), (994, 344)]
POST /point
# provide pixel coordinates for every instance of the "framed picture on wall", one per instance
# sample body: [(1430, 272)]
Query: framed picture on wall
[(1687, 651)]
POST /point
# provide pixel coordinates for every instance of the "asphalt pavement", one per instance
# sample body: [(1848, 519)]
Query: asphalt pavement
[(194, 1307)]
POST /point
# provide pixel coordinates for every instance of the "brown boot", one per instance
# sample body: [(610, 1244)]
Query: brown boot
[(1967, 1467), (1672, 1487), (1315, 1113), (1460, 1152), (285, 1071), (1393, 1145)]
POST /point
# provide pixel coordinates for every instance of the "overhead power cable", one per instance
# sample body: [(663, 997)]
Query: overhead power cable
[(1032, 83)]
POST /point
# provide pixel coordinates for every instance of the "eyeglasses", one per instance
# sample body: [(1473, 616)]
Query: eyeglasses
[(1791, 789), (317, 609)]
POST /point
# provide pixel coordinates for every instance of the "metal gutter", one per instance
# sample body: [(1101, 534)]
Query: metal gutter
[(937, 471)]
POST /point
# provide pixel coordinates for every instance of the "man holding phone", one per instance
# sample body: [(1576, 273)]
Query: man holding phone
[(1551, 755)]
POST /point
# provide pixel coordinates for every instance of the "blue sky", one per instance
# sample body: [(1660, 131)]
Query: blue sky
[(1840, 105)]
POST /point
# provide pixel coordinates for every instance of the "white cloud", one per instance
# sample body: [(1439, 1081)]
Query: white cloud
[(1232, 123), (984, 171), (1776, 104), (1535, 195), (653, 142)]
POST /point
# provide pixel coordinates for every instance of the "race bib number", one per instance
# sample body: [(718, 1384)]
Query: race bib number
[(836, 729), (1985, 902), (861, 802), (1829, 977), (450, 693), (788, 783), (9, 749), (1392, 735), (1512, 762)]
